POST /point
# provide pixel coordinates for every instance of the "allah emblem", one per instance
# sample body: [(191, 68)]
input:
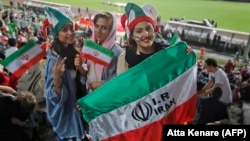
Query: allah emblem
[(25, 57), (96, 53), (142, 112)]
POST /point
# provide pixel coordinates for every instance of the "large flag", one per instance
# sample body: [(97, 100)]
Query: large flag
[(97, 53), (175, 39), (24, 58), (136, 104)]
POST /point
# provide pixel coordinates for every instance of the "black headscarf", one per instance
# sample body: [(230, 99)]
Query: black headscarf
[(133, 59)]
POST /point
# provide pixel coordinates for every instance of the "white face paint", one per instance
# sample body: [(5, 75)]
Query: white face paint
[(138, 39)]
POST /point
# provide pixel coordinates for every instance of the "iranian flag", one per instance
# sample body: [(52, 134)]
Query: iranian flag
[(96, 53), (24, 58), (175, 39), (136, 104)]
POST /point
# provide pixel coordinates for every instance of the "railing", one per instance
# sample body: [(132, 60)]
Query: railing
[(201, 34), (39, 4)]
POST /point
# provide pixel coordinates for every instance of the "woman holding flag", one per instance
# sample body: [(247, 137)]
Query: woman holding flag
[(104, 34), (63, 79)]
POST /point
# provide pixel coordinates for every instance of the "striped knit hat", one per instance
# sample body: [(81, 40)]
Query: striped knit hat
[(135, 14)]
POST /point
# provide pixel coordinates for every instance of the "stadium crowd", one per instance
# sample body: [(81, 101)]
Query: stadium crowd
[(40, 80)]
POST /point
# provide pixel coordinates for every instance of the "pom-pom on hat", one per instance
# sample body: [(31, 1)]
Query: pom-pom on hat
[(135, 14), (57, 19)]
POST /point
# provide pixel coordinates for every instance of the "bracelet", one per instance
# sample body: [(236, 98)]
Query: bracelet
[(57, 86)]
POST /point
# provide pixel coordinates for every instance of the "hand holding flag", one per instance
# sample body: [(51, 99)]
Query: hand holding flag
[(175, 39)]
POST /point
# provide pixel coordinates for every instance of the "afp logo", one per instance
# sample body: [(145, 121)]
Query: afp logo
[(142, 111)]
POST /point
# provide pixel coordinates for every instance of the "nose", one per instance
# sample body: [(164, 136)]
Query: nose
[(70, 31), (146, 34)]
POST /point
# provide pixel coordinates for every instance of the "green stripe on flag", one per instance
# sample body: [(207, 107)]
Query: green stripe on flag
[(95, 46), (148, 76), (174, 39), (18, 53)]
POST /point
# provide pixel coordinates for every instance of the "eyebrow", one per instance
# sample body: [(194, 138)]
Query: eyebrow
[(148, 26)]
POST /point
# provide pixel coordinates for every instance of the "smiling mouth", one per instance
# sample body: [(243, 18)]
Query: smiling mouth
[(146, 40)]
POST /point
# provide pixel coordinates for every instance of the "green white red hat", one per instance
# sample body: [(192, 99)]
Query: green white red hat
[(135, 14), (57, 19)]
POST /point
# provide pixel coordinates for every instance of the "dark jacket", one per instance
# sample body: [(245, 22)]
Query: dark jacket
[(211, 110)]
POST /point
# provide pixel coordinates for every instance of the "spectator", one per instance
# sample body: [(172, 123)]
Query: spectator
[(104, 33), (217, 78), (202, 53), (63, 80), (142, 29), (229, 67), (33, 80), (211, 109), (14, 113), (12, 47)]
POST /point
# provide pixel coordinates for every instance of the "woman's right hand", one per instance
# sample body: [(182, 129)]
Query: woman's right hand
[(59, 67), (58, 70)]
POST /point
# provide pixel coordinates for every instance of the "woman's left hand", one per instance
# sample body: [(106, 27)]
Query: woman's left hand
[(95, 85), (78, 107), (189, 49)]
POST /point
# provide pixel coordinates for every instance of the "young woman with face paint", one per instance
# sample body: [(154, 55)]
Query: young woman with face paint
[(141, 29)]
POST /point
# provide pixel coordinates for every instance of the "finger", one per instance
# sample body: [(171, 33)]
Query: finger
[(77, 58), (90, 85), (62, 62), (57, 60)]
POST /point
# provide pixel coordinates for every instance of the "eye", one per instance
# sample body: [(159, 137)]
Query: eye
[(149, 29), (64, 30), (105, 28), (138, 31)]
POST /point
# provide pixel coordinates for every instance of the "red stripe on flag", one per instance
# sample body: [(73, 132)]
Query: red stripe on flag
[(153, 131), (94, 59), (29, 64)]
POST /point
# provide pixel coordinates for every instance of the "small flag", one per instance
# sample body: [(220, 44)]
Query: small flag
[(4, 39), (97, 53), (175, 39), (24, 58)]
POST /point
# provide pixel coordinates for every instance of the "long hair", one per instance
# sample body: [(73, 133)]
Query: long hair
[(69, 52)]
